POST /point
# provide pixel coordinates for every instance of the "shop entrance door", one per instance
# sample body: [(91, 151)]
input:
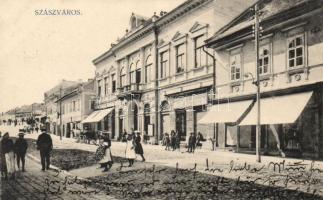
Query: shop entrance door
[(181, 123)]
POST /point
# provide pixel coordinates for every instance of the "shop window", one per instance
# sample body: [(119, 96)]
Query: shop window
[(296, 51)]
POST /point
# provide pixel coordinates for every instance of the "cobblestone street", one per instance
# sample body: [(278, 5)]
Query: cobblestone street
[(279, 174)]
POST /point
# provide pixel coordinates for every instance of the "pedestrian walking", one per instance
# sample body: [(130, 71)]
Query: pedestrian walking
[(199, 140), (173, 139), (37, 129), (45, 146), (106, 160), (130, 151), (138, 147), (167, 141), (178, 140), (20, 147), (191, 143), (124, 136), (7, 149)]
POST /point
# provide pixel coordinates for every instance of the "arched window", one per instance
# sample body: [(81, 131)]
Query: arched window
[(132, 73), (122, 76), (138, 72), (148, 66)]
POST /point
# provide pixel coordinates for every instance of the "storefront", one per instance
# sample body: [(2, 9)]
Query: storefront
[(291, 122)]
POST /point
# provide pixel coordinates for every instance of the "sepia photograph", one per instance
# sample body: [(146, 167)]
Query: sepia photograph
[(161, 99)]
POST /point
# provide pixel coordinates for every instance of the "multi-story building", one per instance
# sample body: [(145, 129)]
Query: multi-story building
[(75, 104), (291, 74), (50, 98), (157, 77)]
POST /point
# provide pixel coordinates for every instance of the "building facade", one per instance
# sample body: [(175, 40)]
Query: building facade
[(76, 103), (291, 74), (158, 76), (51, 109)]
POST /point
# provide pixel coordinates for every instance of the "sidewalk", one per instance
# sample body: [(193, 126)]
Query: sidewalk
[(35, 184)]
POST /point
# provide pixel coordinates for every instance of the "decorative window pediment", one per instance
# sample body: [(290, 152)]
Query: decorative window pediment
[(198, 26), (178, 36), (161, 43)]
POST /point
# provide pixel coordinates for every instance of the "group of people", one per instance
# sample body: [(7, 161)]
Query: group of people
[(173, 140), (11, 151), (133, 147), (14, 152)]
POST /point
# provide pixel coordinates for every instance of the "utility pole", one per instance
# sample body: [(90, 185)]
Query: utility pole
[(258, 128), (60, 113)]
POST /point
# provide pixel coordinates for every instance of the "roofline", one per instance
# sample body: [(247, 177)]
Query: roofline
[(228, 25), (157, 23)]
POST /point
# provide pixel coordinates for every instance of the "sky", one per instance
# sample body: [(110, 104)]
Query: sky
[(38, 51)]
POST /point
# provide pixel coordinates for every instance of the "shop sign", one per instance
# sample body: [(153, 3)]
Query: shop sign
[(189, 101)]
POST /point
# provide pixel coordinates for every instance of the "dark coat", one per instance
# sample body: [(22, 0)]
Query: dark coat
[(138, 146), (6, 146), (21, 146), (44, 142), (192, 140)]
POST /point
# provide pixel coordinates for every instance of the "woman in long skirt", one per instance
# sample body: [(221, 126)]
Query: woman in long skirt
[(130, 150), (106, 161), (7, 148), (138, 147)]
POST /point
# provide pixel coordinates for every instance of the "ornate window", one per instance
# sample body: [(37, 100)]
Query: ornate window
[(180, 58), (235, 67), (122, 76), (264, 60), (296, 51), (132, 73), (106, 85), (138, 72), (148, 66), (163, 64), (113, 83), (199, 54), (99, 88)]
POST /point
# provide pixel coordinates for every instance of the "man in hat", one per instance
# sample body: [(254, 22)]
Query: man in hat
[(20, 147), (45, 146)]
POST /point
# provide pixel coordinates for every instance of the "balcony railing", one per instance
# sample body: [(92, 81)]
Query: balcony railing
[(134, 89)]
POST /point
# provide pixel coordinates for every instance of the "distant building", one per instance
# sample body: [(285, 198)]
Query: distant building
[(157, 77), (51, 109), (291, 80), (76, 103)]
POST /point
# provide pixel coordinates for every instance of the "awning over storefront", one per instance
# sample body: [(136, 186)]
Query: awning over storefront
[(97, 116), (278, 110), (226, 112)]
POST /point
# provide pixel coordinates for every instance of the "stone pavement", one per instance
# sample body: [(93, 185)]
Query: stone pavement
[(35, 184)]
